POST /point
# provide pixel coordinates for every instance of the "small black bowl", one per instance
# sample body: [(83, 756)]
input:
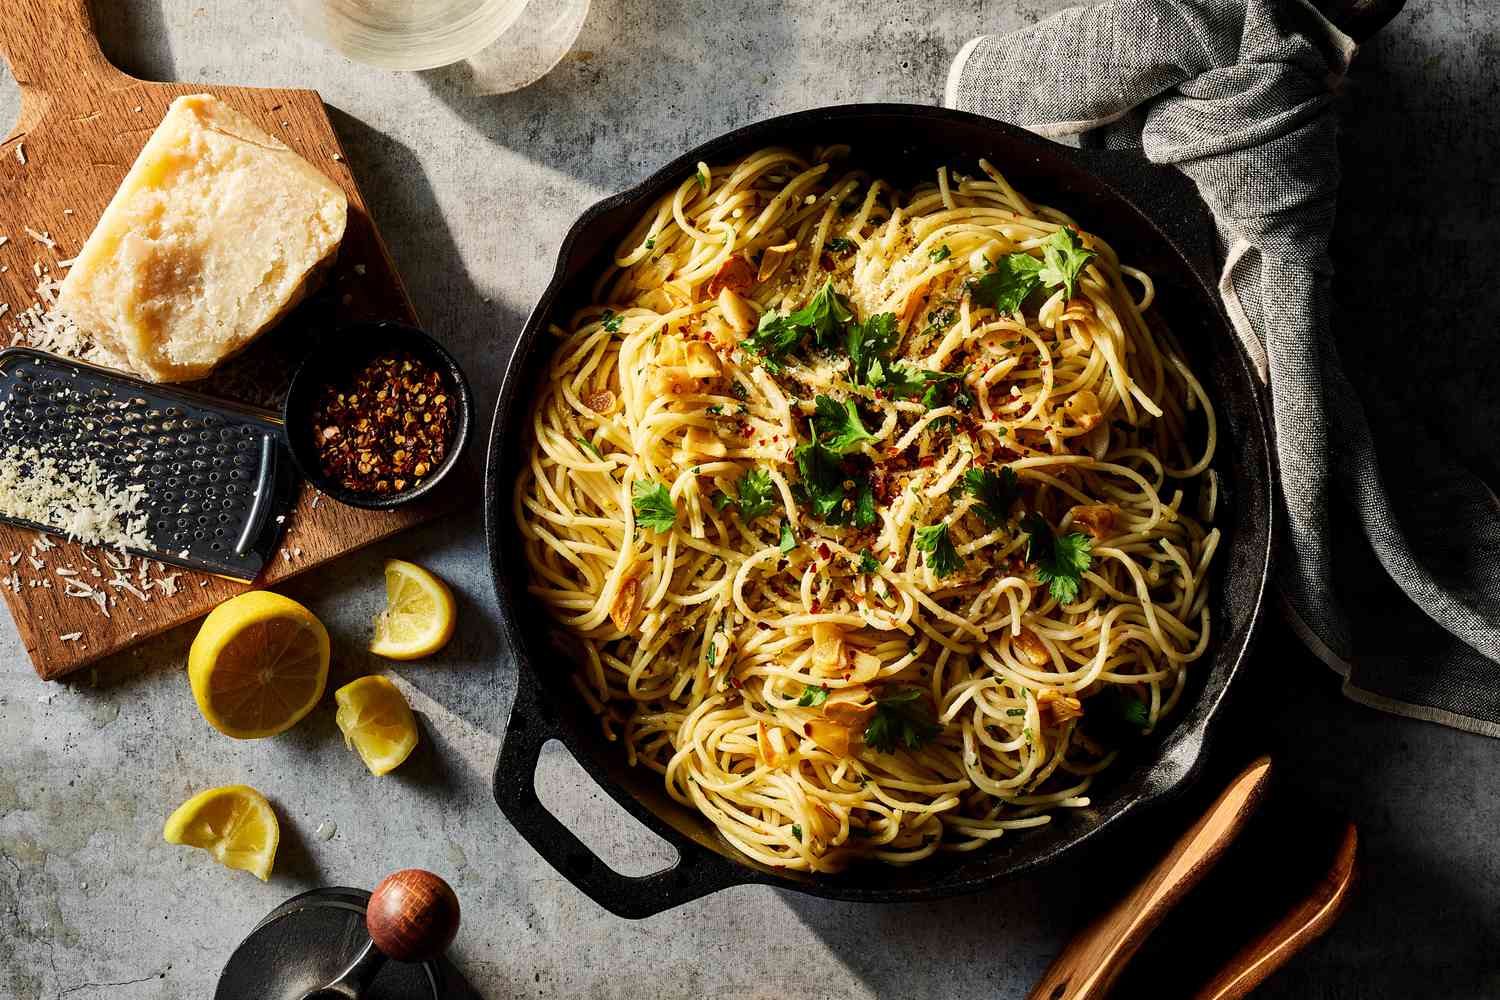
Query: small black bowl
[(335, 358)]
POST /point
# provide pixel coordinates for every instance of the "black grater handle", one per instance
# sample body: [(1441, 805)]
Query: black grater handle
[(264, 500)]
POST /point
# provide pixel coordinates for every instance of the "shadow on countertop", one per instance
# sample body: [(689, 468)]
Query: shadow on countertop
[(680, 65), (1422, 928)]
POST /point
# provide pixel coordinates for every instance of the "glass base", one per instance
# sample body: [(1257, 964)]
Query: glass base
[(529, 49)]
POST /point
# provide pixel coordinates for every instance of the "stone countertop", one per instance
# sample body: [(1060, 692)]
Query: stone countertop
[(473, 196)]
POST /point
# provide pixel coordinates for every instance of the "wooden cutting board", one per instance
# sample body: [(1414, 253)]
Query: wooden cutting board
[(82, 123)]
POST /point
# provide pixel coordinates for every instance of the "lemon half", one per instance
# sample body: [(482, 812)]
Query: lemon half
[(418, 616), (377, 722), (258, 665), (235, 824)]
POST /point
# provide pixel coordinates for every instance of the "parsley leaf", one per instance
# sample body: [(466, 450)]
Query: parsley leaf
[(939, 320), (1060, 562), (611, 321), (1116, 715), (797, 831), (777, 335), (788, 541), (756, 494), (839, 424), (901, 719), (653, 505), (822, 480), (902, 381), (994, 493), (651, 243), (812, 696), (720, 499), (942, 558), (1134, 710), (588, 446), (1065, 257), (867, 562), (840, 244), (864, 507), (773, 339), (869, 344), (906, 381), (1006, 286), (939, 255), (825, 316), (702, 176)]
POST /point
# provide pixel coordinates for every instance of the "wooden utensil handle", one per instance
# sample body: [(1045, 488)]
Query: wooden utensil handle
[(1306, 921), (1093, 960), (412, 915), (55, 57)]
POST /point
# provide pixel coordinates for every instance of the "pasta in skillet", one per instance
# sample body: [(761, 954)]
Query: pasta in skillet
[(865, 509)]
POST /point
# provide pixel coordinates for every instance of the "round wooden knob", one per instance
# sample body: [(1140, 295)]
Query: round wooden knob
[(412, 915)]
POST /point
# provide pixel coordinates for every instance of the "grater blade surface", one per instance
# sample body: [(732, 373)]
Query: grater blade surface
[(214, 478)]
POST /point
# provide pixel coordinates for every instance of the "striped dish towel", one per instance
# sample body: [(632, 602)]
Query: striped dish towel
[(1392, 576)]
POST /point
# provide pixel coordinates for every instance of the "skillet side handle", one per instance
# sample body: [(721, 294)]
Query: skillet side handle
[(698, 871)]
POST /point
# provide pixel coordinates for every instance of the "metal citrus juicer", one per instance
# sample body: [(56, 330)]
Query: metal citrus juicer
[(339, 943)]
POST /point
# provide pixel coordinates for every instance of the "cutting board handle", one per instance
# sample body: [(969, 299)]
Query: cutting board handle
[(55, 57)]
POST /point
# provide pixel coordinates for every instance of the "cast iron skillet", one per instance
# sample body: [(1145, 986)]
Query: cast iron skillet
[(1155, 220)]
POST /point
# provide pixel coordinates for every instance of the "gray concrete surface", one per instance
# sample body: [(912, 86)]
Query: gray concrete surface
[(473, 196)]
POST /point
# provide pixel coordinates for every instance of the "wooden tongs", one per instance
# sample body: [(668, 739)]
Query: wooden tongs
[(1094, 959)]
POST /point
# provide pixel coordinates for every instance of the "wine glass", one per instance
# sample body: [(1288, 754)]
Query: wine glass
[(509, 43)]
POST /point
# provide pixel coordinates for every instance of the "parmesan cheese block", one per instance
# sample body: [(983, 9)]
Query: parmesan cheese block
[(217, 231)]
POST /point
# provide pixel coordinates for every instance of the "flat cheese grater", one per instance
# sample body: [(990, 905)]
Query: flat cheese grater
[(213, 477)]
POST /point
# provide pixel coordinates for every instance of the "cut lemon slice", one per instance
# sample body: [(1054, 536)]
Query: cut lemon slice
[(418, 616), (235, 824), (258, 665), (377, 722)]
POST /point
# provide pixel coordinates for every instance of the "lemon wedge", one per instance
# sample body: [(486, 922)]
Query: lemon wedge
[(418, 616), (235, 824), (258, 665), (377, 722)]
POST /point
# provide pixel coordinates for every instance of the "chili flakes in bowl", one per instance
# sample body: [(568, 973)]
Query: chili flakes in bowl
[(386, 428)]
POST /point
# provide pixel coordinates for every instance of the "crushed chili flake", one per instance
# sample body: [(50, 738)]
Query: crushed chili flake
[(385, 428)]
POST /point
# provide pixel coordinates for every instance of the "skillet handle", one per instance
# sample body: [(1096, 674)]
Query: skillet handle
[(698, 871)]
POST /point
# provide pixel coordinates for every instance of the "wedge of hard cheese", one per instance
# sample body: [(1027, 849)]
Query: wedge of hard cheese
[(217, 231)]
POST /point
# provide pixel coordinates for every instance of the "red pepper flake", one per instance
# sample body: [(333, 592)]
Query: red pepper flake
[(823, 551), (386, 428), (816, 607)]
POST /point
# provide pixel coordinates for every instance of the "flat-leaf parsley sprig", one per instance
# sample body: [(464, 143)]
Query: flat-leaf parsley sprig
[(1060, 560), (653, 505), (902, 720)]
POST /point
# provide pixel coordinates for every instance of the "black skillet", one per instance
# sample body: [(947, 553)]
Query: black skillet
[(1155, 220)]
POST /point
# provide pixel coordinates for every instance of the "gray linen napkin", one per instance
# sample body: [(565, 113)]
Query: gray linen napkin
[(1237, 94)]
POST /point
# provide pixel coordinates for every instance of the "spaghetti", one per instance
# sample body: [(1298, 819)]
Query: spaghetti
[(865, 510)]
